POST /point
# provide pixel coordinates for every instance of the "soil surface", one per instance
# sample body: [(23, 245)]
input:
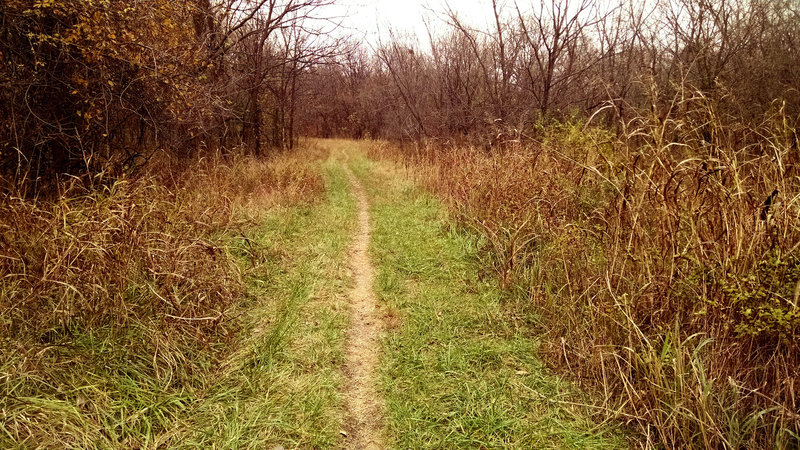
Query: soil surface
[(364, 425)]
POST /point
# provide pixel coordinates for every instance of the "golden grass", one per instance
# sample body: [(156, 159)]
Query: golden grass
[(663, 268), (113, 253), (130, 282)]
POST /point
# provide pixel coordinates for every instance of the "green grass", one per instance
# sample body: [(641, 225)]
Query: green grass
[(460, 369), (459, 365), (103, 388), (270, 377), (281, 386)]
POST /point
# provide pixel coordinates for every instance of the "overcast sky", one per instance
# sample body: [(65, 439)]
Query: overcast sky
[(373, 18)]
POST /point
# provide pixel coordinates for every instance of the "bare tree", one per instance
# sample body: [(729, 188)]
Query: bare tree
[(405, 65), (556, 33)]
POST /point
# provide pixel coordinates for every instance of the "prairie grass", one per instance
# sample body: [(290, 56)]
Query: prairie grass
[(460, 367), (119, 297), (279, 383), (661, 263)]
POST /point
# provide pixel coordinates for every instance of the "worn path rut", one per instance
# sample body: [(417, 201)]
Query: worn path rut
[(365, 410)]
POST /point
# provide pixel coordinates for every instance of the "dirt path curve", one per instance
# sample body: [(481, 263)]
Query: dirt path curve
[(364, 423)]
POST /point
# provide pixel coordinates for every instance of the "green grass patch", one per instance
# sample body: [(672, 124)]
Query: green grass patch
[(268, 375), (460, 369), (281, 385)]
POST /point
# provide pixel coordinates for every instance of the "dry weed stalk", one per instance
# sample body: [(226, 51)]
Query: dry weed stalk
[(663, 262)]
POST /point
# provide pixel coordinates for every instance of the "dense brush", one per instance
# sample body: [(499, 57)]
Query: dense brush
[(663, 261)]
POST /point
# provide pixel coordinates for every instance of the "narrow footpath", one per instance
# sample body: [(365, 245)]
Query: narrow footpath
[(365, 409)]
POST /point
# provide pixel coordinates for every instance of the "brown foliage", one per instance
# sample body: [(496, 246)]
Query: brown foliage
[(102, 86), (664, 270), (91, 86), (136, 249), (540, 61), (119, 301)]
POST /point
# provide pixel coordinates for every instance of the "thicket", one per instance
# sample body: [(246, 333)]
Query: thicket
[(101, 86), (555, 60), (115, 299), (633, 169), (666, 282)]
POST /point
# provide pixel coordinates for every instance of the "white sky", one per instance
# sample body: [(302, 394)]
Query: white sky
[(373, 18)]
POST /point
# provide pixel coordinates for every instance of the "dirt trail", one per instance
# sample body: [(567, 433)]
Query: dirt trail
[(364, 404)]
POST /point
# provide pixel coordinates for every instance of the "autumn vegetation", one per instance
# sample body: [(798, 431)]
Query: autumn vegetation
[(632, 168), (130, 169)]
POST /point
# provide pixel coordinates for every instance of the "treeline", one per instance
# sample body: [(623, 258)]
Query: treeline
[(92, 86), (101, 86), (561, 59)]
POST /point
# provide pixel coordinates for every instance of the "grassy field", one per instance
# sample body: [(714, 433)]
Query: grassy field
[(281, 385), (460, 365), (663, 271), (222, 309), (262, 365)]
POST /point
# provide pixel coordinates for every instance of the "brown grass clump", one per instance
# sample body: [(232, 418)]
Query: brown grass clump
[(125, 280), (662, 262), (115, 253)]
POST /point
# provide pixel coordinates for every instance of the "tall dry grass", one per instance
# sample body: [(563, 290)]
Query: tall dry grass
[(113, 253), (126, 279), (663, 263)]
